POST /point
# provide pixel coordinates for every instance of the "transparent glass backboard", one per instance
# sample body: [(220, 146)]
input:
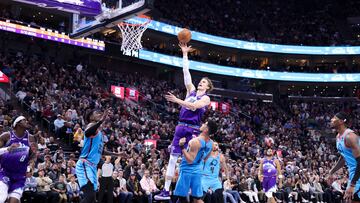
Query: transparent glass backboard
[(112, 13)]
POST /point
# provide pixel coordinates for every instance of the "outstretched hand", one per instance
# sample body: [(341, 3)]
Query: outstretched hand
[(349, 193), (170, 97), (185, 48)]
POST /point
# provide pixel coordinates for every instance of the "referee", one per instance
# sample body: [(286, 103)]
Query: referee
[(106, 182)]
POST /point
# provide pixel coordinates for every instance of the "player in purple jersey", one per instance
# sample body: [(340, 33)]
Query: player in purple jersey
[(15, 154), (192, 110), (269, 173)]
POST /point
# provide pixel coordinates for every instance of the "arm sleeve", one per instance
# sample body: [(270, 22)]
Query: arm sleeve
[(91, 131), (187, 76), (357, 172)]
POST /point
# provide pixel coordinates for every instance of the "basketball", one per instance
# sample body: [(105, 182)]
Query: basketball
[(184, 36), (269, 141)]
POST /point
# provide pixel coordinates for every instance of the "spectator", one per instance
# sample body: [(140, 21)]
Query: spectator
[(129, 169), (79, 67), (305, 189), (73, 190), (124, 194), (229, 188), (29, 194), (316, 189), (43, 188), (59, 123), (134, 187), (78, 137), (116, 182), (157, 180), (244, 188), (338, 192), (53, 146), (290, 192), (60, 188), (148, 185), (42, 144)]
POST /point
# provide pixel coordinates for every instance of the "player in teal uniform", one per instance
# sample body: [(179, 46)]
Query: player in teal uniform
[(213, 165), (191, 166), (348, 145), (86, 167)]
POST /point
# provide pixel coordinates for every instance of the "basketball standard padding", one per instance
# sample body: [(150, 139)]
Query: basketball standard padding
[(184, 36)]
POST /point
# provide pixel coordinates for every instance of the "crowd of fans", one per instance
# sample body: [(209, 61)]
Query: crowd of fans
[(305, 23), (62, 94)]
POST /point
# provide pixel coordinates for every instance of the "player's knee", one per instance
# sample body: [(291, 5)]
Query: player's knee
[(171, 166), (173, 159), (3, 192)]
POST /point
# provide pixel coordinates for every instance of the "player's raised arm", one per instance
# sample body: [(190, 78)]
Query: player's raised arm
[(187, 76), (96, 119)]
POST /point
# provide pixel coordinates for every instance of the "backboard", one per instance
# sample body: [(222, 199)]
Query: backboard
[(110, 16)]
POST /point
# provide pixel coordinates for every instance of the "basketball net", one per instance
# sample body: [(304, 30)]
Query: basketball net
[(131, 35)]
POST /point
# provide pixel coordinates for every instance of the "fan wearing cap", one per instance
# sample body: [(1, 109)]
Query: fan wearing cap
[(16, 147), (86, 167), (348, 145)]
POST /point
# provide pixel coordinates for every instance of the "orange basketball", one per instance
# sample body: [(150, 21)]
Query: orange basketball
[(184, 36)]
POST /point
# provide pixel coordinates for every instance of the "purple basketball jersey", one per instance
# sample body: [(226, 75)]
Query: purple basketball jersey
[(16, 162), (269, 168), (269, 172), (192, 117)]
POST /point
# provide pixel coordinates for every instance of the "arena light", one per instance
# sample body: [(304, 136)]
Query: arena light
[(51, 35), (249, 73), (252, 46)]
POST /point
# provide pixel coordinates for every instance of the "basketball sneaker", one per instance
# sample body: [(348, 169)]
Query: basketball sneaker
[(164, 195)]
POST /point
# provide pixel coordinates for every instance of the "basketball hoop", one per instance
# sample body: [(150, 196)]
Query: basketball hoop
[(131, 33)]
